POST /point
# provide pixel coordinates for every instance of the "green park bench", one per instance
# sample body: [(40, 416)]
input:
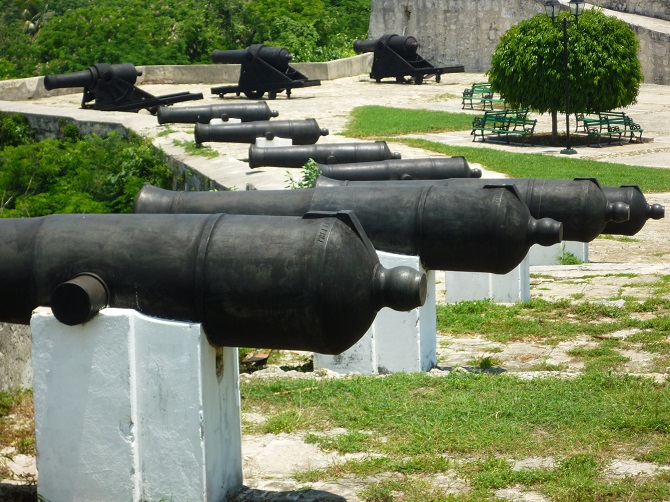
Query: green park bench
[(480, 93), (504, 124)]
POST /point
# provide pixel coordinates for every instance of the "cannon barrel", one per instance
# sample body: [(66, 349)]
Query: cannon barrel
[(487, 230), (307, 283), (399, 169), (640, 210), (302, 132), (333, 153), (88, 78), (246, 112), (581, 205), (277, 57), (405, 45)]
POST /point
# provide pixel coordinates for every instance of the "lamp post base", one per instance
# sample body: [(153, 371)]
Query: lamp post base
[(568, 151)]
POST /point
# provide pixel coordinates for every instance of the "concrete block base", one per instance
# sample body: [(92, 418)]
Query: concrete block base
[(396, 341), (500, 288), (551, 255), (129, 407), (269, 143)]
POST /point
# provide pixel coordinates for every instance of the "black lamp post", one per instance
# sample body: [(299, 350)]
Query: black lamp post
[(552, 8)]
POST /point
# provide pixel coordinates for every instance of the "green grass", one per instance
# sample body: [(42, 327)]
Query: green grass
[(192, 148), (372, 121), (468, 426), (389, 123), (540, 320)]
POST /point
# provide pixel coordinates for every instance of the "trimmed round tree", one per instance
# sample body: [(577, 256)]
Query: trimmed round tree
[(527, 67)]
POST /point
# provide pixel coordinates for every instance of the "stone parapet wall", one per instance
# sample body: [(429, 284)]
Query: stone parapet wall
[(659, 9)]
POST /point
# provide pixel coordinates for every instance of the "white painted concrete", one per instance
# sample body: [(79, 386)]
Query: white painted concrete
[(551, 255), (129, 407), (500, 288), (396, 341), (269, 143)]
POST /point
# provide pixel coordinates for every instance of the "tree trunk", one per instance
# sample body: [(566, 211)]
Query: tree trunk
[(554, 127)]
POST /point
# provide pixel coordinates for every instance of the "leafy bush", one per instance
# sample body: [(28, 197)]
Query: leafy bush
[(91, 174), (75, 34)]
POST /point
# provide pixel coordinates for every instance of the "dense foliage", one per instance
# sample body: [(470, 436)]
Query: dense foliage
[(38, 37), (527, 66), (87, 174)]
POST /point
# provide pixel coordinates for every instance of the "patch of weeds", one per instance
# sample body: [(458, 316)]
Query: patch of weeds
[(16, 421), (660, 365), (601, 358), (618, 238), (541, 276), (310, 172), (567, 258), (409, 489), (485, 362), (165, 131), (283, 421), (656, 455), (351, 442), (192, 148), (492, 350), (544, 366), (577, 296)]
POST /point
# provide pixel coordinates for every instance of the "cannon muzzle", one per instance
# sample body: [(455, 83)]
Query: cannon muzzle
[(89, 77), (581, 205), (398, 169), (302, 132), (277, 57), (246, 112), (333, 153), (487, 230), (640, 210), (307, 283)]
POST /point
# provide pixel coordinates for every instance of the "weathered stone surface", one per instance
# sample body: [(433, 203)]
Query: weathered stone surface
[(16, 370), (652, 8)]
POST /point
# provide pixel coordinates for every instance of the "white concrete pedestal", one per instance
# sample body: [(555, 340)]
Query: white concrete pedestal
[(396, 341), (270, 143), (551, 255), (133, 408), (500, 288)]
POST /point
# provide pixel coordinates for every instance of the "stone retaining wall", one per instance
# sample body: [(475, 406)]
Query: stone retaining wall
[(659, 9)]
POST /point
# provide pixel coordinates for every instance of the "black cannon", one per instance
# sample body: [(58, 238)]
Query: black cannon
[(581, 204), (640, 210), (395, 56), (487, 230), (263, 69), (111, 87), (307, 283), (302, 132), (400, 169), (332, 153), (246, 112)]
